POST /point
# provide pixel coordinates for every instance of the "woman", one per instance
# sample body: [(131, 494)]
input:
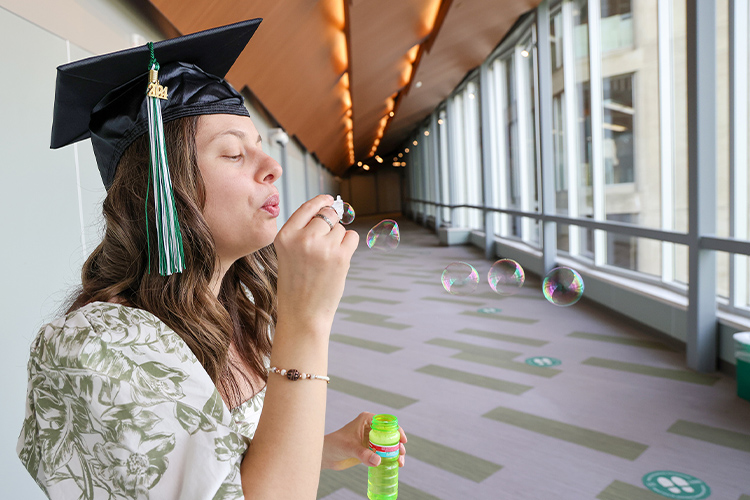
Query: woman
[(154, 386)]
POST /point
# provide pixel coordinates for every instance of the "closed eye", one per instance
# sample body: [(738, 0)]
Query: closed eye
[(234, 157)]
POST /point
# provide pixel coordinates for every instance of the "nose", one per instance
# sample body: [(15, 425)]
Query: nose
[(270, 170)]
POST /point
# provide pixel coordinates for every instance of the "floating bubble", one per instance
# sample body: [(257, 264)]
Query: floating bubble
[(563, 286), (506, 277), (460, 278), (348, 216), (384, 236)]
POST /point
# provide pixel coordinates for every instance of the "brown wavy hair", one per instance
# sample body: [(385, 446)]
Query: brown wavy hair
[(117, 270)]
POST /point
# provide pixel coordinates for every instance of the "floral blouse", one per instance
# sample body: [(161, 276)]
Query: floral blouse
[(118, 407)]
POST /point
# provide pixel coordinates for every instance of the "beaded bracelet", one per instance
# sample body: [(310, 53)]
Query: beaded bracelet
[(296, 375)]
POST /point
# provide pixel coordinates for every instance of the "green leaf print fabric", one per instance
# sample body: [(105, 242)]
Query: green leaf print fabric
[(118, 407)]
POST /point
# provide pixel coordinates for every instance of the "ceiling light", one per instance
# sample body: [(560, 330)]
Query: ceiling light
[(426, 133), (415, 143), (418, 84), (391, 114), (359, 163), (440, 121), (400, 155), (366, 167), (405, 150), (471, 95), (378, 159), (403, 163), (525, 53)]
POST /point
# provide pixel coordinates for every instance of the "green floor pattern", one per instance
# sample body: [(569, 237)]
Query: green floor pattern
[(721, 437), (370, 393), (613, 445), (653, 371)]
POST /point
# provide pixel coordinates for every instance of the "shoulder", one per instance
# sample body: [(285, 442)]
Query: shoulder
[(100, 332)]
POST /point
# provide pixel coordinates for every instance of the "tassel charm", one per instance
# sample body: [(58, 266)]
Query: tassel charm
[(169, 236)]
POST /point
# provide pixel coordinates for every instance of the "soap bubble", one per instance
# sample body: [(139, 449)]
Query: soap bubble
[(460, 278), (348, 216), (506, 277), (384, 236), (563, 286)]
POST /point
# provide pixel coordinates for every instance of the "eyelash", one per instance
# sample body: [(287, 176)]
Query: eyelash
[(234, 158)]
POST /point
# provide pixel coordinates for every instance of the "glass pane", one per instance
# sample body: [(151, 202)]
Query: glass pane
[(617, 24), (636, 254), (558, 112), (630, 113), (512, 171), (722, 274), (681, 264), (472, 157), (679, 122), (563, 243)]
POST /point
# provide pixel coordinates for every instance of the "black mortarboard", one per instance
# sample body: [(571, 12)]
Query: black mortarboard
[(116, 98), (104, 97)]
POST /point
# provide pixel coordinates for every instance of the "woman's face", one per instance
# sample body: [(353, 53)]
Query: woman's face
[(241, 201)]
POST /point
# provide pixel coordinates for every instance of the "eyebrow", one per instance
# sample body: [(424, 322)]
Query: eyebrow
[(237, 133)]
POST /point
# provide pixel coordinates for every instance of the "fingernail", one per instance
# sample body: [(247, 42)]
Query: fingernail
[(375, 460)]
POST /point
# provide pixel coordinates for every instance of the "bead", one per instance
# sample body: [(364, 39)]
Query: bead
[(292, 374), (282, 372)]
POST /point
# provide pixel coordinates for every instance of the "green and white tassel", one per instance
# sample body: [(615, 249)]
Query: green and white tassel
[(169, 236)]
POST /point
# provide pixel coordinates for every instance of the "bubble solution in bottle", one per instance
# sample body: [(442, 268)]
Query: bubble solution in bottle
[(382, 481)]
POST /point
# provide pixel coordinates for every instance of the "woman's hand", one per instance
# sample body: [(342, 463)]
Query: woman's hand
[(313, 262), (348, 446)]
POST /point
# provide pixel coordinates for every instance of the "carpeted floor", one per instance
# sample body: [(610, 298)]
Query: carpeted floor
[(485, 424)]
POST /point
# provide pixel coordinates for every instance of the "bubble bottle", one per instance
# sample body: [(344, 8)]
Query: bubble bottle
[(382, 481)]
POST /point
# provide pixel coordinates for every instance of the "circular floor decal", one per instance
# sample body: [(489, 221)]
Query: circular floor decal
[(673, 484), (489, 310), (543, 361)]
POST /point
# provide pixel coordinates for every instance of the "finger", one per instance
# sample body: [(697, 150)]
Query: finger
[(403, 435), (402, 449), (321, 223), (401, 461), (350, 243), (337, 233), (369, 457), (301, 217), (330, 213)]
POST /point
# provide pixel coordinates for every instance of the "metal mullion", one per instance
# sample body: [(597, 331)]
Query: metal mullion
[(571, 124), (451, 117), (502, 134), (666, 133), (436, 166), (470, 154), (488, 88), (738, 147), (485, 90), (597, 128), (424, 179), (546, 138), (460, 155), (523, 150), (445, 183), (702, 333)]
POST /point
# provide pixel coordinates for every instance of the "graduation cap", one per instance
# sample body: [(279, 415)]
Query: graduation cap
[(116, 98)]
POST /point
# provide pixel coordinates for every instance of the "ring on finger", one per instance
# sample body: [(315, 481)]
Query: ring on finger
[(326, 219)]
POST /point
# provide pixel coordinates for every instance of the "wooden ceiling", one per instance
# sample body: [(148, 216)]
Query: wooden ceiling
[(331, 71)]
